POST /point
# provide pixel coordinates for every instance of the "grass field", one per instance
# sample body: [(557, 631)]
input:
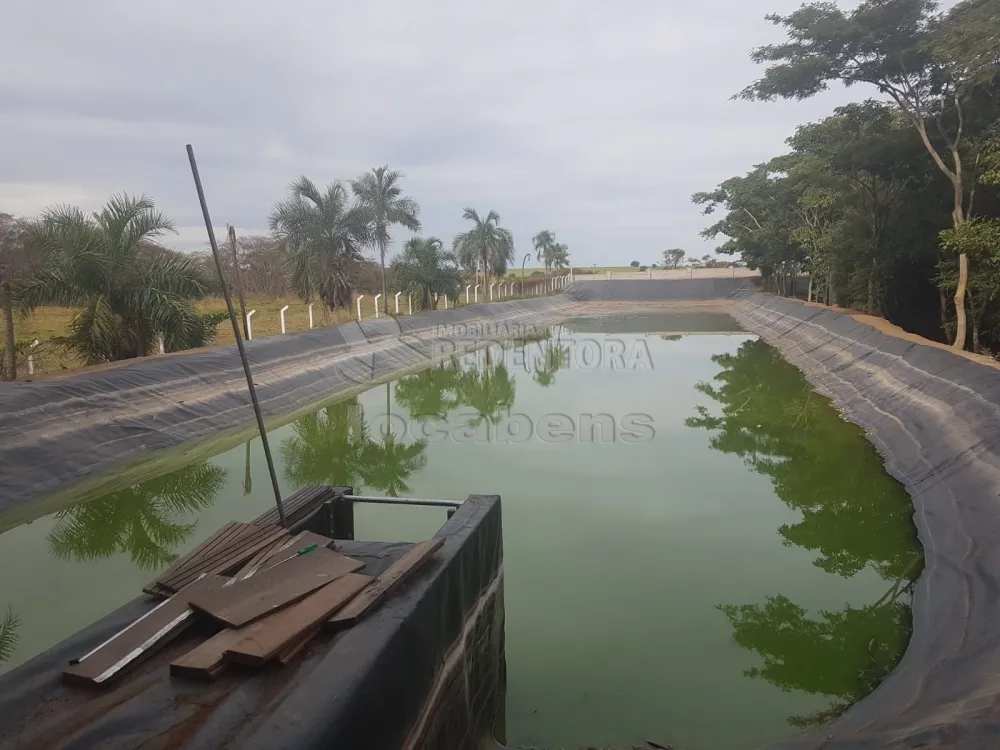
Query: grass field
[(47, 323)]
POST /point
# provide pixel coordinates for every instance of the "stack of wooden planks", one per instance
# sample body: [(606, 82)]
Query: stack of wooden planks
[(271, 592)]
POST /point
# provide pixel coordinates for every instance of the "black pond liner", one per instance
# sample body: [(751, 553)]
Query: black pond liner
[(934, 416), (61, 430)]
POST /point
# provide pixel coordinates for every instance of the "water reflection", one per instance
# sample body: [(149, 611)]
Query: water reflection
[(8, 635), (431, 393), (854, 516), (488, 390), (334, 446), (143, 521)]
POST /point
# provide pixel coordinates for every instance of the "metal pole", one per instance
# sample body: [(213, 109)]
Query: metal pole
[(239, 279), (236, 334)]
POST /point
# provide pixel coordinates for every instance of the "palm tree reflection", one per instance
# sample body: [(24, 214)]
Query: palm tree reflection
[(145, 521)]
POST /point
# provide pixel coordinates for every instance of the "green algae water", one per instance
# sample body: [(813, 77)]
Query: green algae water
[(698, 550)]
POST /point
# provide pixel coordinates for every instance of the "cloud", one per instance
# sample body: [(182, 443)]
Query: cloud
[(594, 119)]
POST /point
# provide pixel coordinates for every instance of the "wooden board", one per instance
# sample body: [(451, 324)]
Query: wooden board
[(266, 638), (297, 506), (289, 579), (223, 553), (296, 543), (207, 660), (228, 531), (231, 559), (369, 599), (141, 637)]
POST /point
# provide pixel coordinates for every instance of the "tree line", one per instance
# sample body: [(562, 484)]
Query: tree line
[(890, 205), (131, 293)]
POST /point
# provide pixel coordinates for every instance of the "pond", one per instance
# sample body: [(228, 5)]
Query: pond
[(698, 549)]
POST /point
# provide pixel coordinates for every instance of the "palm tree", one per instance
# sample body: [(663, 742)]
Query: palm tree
[(544, 242), (379, 194), (322, 234), (144, 521), (426, 269), (487, 243), (128, 289), (559, 256)]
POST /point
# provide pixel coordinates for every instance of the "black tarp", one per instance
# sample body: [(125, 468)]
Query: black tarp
[(934, 415), (396, 680), (651, 290), (54, 432)]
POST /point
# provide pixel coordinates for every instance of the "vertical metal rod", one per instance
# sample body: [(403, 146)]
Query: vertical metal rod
[(239, 279), (236, 333)]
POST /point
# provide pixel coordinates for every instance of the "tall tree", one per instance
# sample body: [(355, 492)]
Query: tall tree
[(544, 241), (559, 256), (128, 289), (926, 63), (322, 234), (673, 257), (379, 193), (487, 243)]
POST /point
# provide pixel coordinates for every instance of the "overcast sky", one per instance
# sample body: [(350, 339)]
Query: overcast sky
[(595, 119)]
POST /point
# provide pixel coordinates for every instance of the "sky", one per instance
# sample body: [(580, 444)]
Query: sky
[(594, 119)]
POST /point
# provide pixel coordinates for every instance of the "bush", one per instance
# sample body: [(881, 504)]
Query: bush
[(642, 268), (634, 264)]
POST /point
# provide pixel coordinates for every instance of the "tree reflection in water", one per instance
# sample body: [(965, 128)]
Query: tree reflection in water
[(854, 516), (145, 520), (334, 446)]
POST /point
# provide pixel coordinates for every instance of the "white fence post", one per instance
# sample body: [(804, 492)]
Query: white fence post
[(31, 358), (376, 304), (360, 297), (397, 302), (491, 290), (310, 316), (477, 293), (467, 288), (159, 342), (409, 303), (446, 302), (282, 313), (249, 327)]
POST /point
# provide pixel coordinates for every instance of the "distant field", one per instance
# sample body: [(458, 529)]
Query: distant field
[(47, 323)]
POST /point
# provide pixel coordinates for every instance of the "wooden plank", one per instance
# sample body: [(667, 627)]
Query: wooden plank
[(232, 559), (289, 579), (301, 541), (371, 598), (245, 534), (207, 660), (141, 637), (186, 560), (293, 649), (200, 564), (254, 563), (266, 638), (297, 505)]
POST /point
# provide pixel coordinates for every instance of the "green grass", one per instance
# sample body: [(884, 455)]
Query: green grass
[(49, 322)]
